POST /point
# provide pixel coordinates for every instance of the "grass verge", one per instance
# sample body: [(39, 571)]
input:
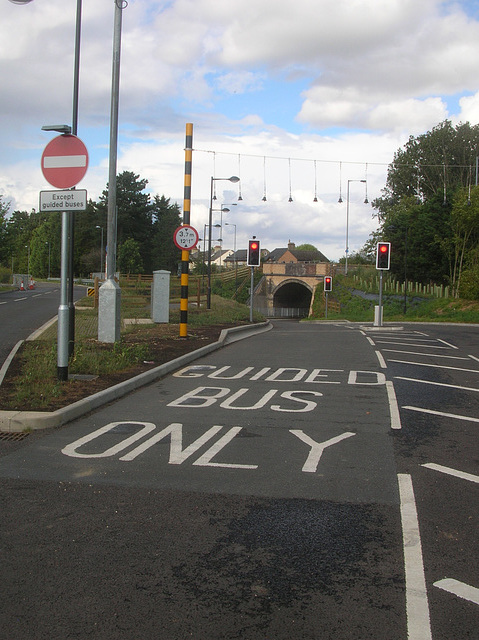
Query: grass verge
[(34, 379)]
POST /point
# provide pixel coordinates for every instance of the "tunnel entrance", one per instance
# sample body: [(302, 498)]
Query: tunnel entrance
[(293, 296)]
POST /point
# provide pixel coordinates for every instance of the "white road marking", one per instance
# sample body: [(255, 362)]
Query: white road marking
[(442, 414), (19, 299), (382, 362), (435, 366), (447, 343), (459, 589), (437, 384), (317, 448), (393, 406), (408, 344), (429, 355), (474, 358), (417, 607), (452, 472)]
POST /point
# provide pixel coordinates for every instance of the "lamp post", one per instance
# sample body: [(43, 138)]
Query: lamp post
[(347, 224), (213, 180), (231, 224), (101, 248), (48, 243), (27, 247)]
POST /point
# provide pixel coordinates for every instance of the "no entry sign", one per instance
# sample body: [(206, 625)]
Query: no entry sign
[(64, 161)]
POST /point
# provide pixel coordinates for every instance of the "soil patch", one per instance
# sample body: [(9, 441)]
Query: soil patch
[(164, 345)]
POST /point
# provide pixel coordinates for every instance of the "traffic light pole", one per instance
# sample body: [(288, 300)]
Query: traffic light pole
[(380, 306), (251, 295), (326, 306)]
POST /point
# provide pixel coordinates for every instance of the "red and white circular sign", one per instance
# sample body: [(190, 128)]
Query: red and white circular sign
[(64, 161), (185, 237)]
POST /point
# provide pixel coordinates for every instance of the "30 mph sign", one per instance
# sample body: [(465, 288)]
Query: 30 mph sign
[(64, 161)]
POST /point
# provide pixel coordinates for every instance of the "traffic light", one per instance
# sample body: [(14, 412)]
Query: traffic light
[(328, 283), (254, 257), (383, 255)]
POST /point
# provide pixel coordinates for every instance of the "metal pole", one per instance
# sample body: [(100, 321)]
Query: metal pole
[(185, 254), (380, 319), (62, 354), (347, 231), (115, 92), (71, 241), (110, 294), (208, 291), (251, 295), (326, 307)]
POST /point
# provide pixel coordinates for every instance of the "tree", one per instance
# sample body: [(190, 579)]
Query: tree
[(129, 257), (4, 207), (416, 213), (166, 216), (134, 219)]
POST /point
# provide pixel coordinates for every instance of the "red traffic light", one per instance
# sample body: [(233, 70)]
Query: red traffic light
[(383, 255), (254, 256), (328, 283)]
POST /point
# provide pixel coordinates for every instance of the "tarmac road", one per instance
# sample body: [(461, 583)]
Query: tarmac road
[(267, 491)]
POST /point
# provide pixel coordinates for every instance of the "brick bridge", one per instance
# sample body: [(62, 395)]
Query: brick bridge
[(288, 288)]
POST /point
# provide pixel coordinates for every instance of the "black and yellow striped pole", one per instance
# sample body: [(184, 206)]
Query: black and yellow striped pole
[(185, 253)]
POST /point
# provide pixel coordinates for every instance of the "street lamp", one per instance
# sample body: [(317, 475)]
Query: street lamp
[(231, 224), (347, 224), (101, 248), (48, 243), (213, 180), (27, 246)]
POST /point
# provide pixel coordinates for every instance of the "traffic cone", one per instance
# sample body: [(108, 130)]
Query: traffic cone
[(32, 284), (22, 288)]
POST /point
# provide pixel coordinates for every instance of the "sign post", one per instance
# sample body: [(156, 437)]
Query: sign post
[(64, 163)]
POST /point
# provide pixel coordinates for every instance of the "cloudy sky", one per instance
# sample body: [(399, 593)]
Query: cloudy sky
[(299, 98)]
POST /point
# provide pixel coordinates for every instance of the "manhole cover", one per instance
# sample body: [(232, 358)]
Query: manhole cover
[(13, 436)]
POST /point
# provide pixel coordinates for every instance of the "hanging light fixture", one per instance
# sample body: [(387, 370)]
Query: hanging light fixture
[(366, 201), (290, 196), (240, 197), (340, 171), (264, 179), (214, 174), (315, 199)]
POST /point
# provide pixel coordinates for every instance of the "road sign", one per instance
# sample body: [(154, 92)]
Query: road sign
[(186, 237), (67, 200), (64, 161)]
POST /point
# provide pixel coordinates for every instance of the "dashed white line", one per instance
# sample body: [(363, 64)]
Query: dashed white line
[(459, 589), (417, 607), (381, 360), (452, 472), (442, 414), (393, 406)]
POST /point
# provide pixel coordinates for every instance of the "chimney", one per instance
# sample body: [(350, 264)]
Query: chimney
[(291, 246)]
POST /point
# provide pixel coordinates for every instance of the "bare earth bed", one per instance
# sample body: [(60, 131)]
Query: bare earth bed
[(164, 345)]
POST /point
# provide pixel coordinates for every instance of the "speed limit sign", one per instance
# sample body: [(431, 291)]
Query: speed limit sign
[(186, 237)]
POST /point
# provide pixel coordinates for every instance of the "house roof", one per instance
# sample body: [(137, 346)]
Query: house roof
[(301, 256)]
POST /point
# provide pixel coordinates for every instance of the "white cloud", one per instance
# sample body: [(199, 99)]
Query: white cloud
[(384, 68)]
